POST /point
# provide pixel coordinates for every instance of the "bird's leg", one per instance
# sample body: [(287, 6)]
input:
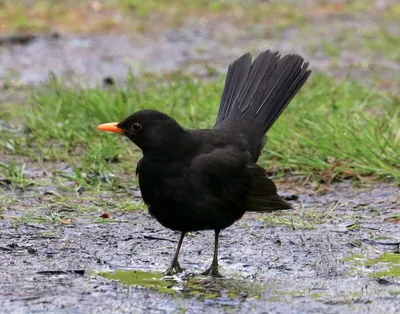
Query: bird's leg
[(213, 269), (175, 268)]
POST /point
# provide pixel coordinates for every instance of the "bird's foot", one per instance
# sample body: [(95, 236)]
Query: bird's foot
[(212, 271), (174, 269)]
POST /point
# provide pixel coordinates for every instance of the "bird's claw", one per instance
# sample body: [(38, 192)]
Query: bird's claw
[(212, 271), (174, 269)]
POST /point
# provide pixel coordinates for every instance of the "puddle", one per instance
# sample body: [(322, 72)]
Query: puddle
[(222, 290), (386, 265), (389, 261), (227, 291), (139, 278)]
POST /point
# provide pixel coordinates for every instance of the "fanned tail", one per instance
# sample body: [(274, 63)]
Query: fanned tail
[(256, 94)]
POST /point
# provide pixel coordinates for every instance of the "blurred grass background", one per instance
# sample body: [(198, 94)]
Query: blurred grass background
[(74, 16), (335, 129)]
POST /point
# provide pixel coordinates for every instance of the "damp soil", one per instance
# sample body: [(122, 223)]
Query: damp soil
[(338, 252)]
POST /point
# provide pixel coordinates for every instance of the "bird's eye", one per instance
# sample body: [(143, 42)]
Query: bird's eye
[(136, 127)]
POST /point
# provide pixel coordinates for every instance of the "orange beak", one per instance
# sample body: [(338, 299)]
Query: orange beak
[(110, 127)]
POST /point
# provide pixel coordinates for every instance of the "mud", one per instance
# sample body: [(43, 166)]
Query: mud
[(330, 255)]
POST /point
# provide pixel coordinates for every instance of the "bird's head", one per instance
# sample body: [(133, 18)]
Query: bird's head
[(152, 131)]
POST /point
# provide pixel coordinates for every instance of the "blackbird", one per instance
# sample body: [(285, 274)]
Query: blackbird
[(207, 179)]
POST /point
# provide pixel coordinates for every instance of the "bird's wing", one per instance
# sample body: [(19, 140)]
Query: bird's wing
[(228, 169), (221, 182), (222, 162), (263, 194), (138, 166)]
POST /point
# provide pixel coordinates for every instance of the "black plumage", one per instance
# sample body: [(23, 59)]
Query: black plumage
[(207, 179)]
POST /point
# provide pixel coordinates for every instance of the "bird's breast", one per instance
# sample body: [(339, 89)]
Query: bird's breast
[(186, 200), (161, 182)]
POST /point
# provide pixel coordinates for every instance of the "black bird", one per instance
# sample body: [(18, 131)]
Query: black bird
[(207, 179)]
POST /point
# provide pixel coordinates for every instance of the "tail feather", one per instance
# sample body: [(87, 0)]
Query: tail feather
[(292, 78), (255, 96), (235, 79), (263, 196), (255, 77)]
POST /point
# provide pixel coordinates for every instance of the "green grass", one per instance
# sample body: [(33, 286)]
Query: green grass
[(385, 265), (146, 8), (299, 218), (14, 173), (88, 16), (332, 130), (174, 12), (386, 44), (92, 16), (70, 208)]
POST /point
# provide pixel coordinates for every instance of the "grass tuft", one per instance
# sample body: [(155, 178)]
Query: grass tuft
[(332, 130)]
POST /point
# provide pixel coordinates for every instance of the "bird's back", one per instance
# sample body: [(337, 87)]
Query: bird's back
[(228, 154)]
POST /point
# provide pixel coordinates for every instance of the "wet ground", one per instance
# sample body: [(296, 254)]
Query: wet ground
[(337, 253), (341, 45)]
